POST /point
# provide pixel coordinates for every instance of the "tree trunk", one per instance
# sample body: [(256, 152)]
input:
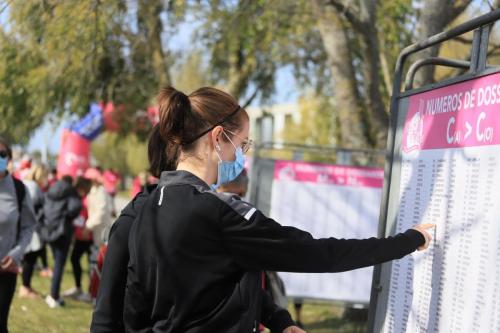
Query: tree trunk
[(371, 74), (353, 132), (151, 25)]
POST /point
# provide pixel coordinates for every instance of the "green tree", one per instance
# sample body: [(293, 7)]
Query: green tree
[(312, 128), (346, 50), (127, 154), (247, 41), (57, 56)]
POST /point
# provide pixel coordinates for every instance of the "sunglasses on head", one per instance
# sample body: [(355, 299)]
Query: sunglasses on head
[(3, 154)]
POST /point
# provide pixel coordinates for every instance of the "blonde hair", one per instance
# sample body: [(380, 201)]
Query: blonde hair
[(38, 173)]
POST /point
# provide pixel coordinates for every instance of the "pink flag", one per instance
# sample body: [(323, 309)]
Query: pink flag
[(74, 155)]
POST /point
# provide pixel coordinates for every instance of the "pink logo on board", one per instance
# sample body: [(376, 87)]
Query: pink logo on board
[(415, 130)]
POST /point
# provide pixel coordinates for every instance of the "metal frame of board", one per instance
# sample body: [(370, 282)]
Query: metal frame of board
[(476, 67)]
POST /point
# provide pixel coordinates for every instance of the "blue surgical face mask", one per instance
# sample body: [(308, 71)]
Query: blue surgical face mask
[(3, 163), (227, 171)]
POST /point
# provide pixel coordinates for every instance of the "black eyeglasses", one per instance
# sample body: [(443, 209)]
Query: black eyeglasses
[(3, 154)]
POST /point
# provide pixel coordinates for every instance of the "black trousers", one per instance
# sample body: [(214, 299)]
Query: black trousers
[(29, 262), (79, 249), (7, 289), (60, 250), (43, 256)]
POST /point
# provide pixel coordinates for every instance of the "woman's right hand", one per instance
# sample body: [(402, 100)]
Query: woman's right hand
[(422, 228), (9, 265)]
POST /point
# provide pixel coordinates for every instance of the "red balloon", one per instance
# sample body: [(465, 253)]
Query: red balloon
[(111, 115)]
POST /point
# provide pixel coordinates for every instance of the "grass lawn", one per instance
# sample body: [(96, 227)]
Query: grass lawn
[(33, 316), (28, 315)]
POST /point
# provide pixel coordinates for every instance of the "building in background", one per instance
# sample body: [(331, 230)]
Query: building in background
[(268, 123)]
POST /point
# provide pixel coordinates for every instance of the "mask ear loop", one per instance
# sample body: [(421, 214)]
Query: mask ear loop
[(235, 148), (217, 150)]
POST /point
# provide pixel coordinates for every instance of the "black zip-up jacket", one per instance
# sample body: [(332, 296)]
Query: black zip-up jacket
[(108, 313), (61, 205), (196, 257)]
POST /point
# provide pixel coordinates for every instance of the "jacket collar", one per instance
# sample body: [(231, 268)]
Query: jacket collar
[(182, 177)]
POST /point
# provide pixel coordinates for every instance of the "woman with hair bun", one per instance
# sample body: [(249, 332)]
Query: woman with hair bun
[(196, 256)]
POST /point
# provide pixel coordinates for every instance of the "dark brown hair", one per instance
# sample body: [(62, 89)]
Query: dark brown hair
[(84, 184), (184, 119), (68, 179), (6, 144)]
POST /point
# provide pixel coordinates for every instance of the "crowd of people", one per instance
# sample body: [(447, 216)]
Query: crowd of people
[(71, 216)]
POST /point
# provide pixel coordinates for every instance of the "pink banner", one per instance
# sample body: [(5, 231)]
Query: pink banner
[(329, 174), (465, 114), (74, 155)]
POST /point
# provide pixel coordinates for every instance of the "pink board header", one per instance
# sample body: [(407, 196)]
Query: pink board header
[(329, 174), (465, 114)]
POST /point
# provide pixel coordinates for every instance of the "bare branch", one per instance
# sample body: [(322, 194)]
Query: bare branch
[(467, 41), (348, 13), (462, 40), (461, 71), (251, 98), (492, 51), (385, 71), (5, 6)]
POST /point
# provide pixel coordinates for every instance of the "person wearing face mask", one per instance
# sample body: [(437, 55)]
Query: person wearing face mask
[(34, 181), (17, 222), (196, 256)]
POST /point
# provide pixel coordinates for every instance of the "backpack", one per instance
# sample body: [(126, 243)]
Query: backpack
[(55, 221), (20, 194)]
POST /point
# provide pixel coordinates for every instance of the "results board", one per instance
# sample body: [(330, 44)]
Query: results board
[(449, 174), (328, 201)]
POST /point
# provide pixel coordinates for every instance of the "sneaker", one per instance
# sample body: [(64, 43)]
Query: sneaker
[(73, 292), (52, 303), (84, 297)]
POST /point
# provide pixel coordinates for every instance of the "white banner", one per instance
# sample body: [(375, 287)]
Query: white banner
[(328, 201)]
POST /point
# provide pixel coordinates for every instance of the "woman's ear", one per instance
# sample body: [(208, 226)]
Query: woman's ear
[(215, 136)]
